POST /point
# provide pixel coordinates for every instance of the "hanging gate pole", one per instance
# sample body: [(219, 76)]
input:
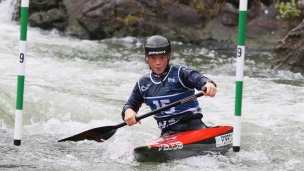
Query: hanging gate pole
[(239, 75), (21, 72)]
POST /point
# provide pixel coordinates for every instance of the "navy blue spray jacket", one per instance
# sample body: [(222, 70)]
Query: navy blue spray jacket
[(179, 83)]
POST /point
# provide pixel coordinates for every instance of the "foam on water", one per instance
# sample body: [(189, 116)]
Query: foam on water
[(74, 85)]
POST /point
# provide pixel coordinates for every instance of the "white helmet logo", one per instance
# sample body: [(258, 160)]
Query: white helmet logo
[(157, 52)]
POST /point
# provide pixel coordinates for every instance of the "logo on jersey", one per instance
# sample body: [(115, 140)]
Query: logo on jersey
[(188, 70), (144, 88), (171, 80)]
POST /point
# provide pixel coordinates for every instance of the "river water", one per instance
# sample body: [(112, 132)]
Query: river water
[(74, 85)]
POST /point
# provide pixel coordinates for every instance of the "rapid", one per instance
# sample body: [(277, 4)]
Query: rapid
[(73, 85)]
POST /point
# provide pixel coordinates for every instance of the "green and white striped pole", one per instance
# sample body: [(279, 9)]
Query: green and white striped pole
[(21, 72), (239, 75)]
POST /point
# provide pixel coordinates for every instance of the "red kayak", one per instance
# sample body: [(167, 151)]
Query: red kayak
[(214, 140)]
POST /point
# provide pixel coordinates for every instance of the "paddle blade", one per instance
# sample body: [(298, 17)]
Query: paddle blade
[(97, 134)]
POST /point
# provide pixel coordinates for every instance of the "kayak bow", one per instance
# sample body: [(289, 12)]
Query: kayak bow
[(214, 140)]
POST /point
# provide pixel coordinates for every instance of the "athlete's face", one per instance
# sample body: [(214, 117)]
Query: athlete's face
[(158, 63)]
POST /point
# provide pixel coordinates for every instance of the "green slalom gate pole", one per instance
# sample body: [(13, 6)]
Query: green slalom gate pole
[(239, 75), (21, 72)]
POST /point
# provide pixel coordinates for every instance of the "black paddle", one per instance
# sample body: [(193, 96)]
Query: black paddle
[(101, 134)]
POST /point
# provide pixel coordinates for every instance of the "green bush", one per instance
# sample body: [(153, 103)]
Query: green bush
[(288, 9)]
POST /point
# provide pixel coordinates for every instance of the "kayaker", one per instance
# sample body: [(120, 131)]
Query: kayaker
[(167, 84)]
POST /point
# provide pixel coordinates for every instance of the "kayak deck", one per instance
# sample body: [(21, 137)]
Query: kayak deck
[(211, 140)]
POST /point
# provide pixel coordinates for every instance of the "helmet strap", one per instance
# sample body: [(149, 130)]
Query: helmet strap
[(162, 75)]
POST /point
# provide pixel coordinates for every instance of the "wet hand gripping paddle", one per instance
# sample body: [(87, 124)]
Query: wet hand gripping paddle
[(101, 134)]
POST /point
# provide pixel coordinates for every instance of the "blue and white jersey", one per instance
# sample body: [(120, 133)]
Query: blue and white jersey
[(179, 83), (157, 94)]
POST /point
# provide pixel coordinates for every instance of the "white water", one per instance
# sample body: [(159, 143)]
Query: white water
[(74, 85)]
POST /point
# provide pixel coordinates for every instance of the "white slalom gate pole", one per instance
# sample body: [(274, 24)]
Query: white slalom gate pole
[(21, 72), (239, 75)]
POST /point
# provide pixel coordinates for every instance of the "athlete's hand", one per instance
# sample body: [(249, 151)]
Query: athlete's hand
[(211, 90), (130, 117)]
